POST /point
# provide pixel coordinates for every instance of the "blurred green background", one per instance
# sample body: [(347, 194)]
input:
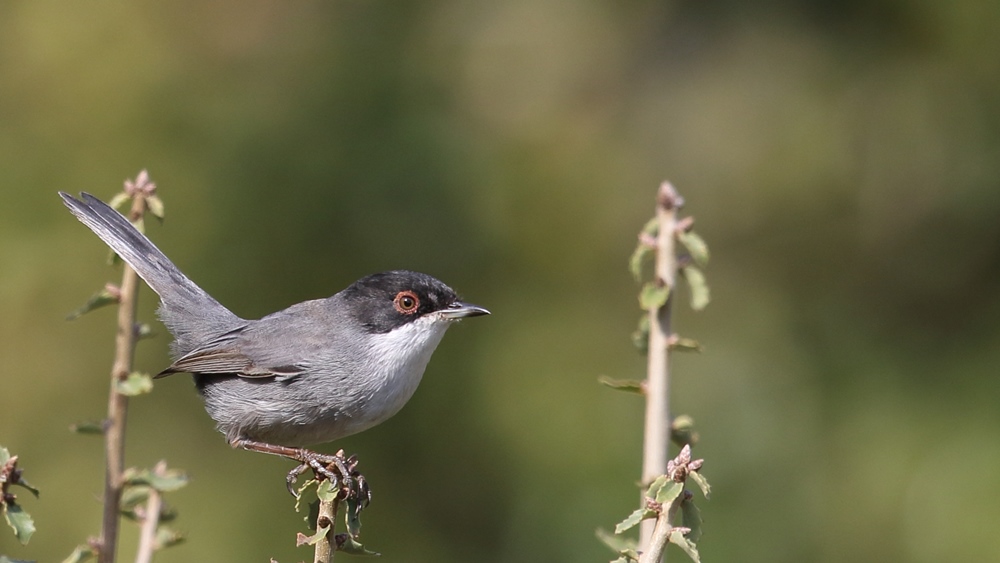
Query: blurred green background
[(841, 159)]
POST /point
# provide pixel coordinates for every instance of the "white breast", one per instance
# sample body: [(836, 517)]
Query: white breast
[(399, 358)]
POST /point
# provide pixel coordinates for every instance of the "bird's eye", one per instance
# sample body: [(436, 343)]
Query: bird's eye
[(406, 302)]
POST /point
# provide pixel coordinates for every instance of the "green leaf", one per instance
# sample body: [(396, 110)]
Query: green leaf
[(299, 496), (5, 559), (133, 496), (169, 480), (702, 483), (684, 345), (643, 251), (635, 262), (16, 477), (682, 431), (631, 520), (155, 205), (652, 227), (353, 516), (80, 554), (695, 246), (167, 537), (22, 483), (669, 492), (312, 515), (347, 544), (20, 521), (691, 518), (617, 543), (119, 199), (699, 287), (653, 296), (325, 491), (628, 385), (627, 556), (167, 514), (625, 547), (677, 537), (137, 383), (302, 539), (87, 428), (144, 331), (655, 486), (640, 338), (100, 299)]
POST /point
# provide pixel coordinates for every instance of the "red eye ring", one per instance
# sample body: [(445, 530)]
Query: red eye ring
[(406, 302)]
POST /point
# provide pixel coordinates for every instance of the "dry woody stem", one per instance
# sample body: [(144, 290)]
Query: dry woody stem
[(150, 522), (658, 539), (327, 516), (114, 432), (657, 425)]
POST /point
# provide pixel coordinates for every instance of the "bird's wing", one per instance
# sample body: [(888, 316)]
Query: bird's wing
[(223, 356)]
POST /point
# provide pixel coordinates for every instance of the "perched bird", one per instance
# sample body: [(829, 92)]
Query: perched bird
[(309, 374)]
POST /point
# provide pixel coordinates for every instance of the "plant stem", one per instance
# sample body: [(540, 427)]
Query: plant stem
[(114, 431), (150, 521), (657, 427), (658, 539), (327, 516)]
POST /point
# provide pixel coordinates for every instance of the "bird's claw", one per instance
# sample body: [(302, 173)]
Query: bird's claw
[(339, 470), (362, 492)]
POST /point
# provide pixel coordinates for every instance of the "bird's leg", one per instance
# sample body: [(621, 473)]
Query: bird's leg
[(323, 466)]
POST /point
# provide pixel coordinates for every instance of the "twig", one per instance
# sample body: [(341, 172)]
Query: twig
[(327, 516), (114, 432), (150, 521), (659, 538), (657, 427)]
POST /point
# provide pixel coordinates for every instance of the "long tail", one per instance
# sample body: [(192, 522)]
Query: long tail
[(190, 314)]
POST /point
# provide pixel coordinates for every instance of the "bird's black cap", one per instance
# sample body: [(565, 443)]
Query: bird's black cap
[(388, 300)]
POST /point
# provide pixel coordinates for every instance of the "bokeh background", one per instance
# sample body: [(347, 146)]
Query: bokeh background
[(841, 159)]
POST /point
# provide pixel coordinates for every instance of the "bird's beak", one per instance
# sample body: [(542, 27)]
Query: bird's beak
[(459, 310)]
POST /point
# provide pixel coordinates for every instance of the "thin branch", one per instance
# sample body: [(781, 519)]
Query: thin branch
[(114, 432), (327, 516), (658, 539), (657, 427), (150, 521)]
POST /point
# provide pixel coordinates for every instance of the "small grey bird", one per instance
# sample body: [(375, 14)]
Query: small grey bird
[(312, 373)]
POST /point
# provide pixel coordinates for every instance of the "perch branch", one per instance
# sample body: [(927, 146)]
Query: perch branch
[(114, 431), (657, 426), (327, 516)]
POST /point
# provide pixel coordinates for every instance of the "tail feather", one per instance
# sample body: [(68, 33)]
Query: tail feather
[(191, 314)]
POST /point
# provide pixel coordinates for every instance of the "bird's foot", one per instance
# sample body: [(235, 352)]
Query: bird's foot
[(339, 470)]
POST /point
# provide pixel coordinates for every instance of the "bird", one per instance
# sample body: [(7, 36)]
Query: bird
[(312, 373)]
